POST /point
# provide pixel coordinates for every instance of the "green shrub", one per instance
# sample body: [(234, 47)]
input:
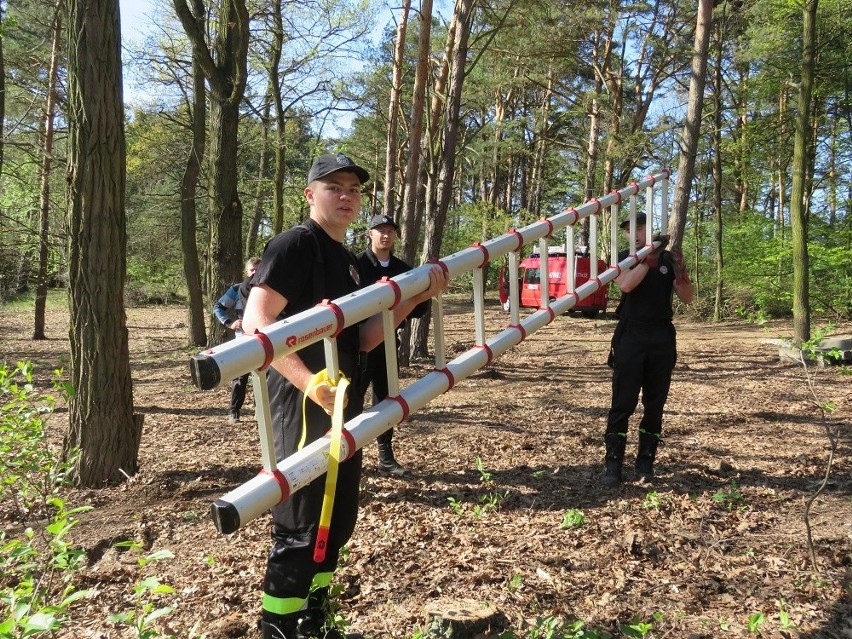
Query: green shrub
[(37, 568), (30, 471)]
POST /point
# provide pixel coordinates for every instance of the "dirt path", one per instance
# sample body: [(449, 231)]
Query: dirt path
[(499, 461)]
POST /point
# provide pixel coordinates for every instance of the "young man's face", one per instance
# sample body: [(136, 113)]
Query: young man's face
[(250, 269), (382, 237), (335, 199), (639, 235)]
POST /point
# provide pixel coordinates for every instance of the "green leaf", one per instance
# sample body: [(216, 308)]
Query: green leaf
[(41, 622), (120, 617), (75, 596), (160, 612)]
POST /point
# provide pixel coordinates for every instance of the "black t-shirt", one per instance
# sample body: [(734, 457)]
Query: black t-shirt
[(372, 271), (306, 266), (652, 298)]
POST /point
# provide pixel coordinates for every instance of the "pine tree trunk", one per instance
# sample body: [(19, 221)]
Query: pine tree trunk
[(225, 72), (717, 172), (412, 190), (391, 169), (2, 98), (280, 120), (435, 224), (100, 413), (46, 164), (188, 209), (799, 195), (692, 125), (260, 191)]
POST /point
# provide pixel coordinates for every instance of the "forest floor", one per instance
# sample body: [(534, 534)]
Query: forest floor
[(503, 463)]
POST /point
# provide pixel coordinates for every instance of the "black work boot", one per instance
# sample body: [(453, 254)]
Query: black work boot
[(281, 626), (614, 458), (648, 443), (387, 463), (315, 621), (307, 624)]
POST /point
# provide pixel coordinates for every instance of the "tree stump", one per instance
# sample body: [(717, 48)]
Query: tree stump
[(462, 619)]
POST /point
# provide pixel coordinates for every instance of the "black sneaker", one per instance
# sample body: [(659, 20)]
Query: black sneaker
[(234, 417)]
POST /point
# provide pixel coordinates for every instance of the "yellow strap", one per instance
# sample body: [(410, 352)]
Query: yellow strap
[(334, 453), (316, 380)]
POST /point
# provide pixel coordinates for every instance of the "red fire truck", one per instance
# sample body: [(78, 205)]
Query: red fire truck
[(529, 280)]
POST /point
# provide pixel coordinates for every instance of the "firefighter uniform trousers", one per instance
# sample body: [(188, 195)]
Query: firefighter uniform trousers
[(291, 571), (643, 358)]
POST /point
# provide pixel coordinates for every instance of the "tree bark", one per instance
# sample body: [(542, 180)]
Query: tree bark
[(196, 325), (717, 170), (225, 68), (102, 425), (799, 195), (389, 206), (435, 222), (692, 125), (2, 98), (412, 189), (280, 120), (261, 190), (44, 189)]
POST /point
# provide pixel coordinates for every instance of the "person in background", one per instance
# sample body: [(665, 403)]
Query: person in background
[(643, 351), (299, 268), (376, 262), (228, 309)]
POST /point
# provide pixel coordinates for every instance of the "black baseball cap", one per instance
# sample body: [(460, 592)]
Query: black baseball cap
[(329, 163), (378, 220), (641, 219)]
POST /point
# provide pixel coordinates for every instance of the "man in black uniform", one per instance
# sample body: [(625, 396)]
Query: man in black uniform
[(299, 268), (643, 351), (376, 262)]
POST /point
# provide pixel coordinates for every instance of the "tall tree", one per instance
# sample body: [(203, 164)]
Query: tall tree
[(717, 163), (225, 67), (102, 425), (44, 182), (412, 190), (692, 124), (275, 52), (438, 218), (188, 197), (2, 93), (392, 147), (802, 167)]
